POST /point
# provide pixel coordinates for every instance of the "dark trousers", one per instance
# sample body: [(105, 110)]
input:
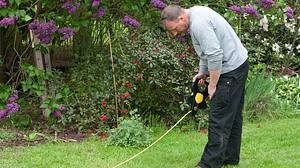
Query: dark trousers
[(225, 120)]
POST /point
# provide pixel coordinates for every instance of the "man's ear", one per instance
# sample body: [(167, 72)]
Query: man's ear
[(181, 18)]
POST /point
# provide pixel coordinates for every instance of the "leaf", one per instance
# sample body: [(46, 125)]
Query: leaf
[(18, 2), (56, 106), (27, 18), (47, 113), (32, 136), (39, 93)]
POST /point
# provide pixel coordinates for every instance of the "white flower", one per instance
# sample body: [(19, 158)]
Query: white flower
[(288, 46), (273, 17), (276, 48), (298, 47), (264, 23), (265, 41), (291, 26), (257, 36)]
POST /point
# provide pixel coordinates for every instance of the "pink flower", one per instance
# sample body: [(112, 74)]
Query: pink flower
[(103, 118), (104, 104), (125, 95)]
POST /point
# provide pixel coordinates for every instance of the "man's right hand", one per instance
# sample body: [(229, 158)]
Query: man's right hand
[(202, 78)]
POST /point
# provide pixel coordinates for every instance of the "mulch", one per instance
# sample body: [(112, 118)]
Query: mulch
[(20, 139)]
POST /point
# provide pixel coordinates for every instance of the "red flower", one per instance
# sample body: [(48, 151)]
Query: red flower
[(103, 118), (125, 95), (136, 62), (103, 104), (190, 49), (125, 111), (128, 84)]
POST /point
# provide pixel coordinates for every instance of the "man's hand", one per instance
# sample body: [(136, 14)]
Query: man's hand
[(200, 76), (211, 90), (213, 81)]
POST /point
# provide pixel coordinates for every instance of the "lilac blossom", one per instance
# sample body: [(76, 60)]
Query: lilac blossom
[(99, 13), (13, 98), (128, 21), (95, 3), (251, 10), (266, 4), (3, 3), (236, 9), (57, 113), (3, 113), (289, 12), (8, 21), (67, 32), (43, 31), (158, 4), (70, 6), (12, 107), (62, 108)]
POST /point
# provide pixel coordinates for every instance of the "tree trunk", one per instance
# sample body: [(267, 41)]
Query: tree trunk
[(38, 60)]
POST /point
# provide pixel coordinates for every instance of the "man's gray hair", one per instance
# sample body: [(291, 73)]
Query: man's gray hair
[(171, 13)]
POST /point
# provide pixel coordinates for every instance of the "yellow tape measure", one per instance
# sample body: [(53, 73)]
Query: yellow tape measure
[(199, 98)]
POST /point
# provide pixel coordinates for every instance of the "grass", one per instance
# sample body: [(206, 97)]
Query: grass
[(265, 145)]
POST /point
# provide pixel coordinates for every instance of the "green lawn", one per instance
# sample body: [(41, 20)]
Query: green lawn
[(274, 144)]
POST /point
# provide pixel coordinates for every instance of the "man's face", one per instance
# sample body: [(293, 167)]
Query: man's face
[(177, 26)]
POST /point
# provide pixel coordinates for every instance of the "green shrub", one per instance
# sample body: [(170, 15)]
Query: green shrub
[(130, 132), (161, 68), (287, 89), (4, 135)]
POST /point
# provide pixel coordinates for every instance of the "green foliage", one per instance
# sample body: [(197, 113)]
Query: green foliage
[(35, 81), (5, 135), (287, 88), (90, 82), (21, 121), (161, 69), (202, 118), (259, 92), (5, 92), (130, 132)]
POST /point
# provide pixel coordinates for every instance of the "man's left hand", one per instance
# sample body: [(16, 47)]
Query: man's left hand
[(211, 90)]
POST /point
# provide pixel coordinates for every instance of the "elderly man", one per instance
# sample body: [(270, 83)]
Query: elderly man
[(224, 59)]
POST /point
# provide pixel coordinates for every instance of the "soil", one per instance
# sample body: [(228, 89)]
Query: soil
[(47, 137)]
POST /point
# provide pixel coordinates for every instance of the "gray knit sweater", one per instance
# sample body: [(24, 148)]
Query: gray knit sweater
[(215, 41)]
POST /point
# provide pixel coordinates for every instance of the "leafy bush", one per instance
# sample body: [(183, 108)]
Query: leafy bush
[(287, 88), (90, 82), (161, 68), (130, 132)]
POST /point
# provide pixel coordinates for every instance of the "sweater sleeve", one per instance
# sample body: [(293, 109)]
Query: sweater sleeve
[(209, 45)]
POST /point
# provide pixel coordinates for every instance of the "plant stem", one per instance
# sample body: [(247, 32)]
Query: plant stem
[(114, 77)]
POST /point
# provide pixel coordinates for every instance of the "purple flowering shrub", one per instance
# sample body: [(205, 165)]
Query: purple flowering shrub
[(3, 3), (269, 30), (130, 22)]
